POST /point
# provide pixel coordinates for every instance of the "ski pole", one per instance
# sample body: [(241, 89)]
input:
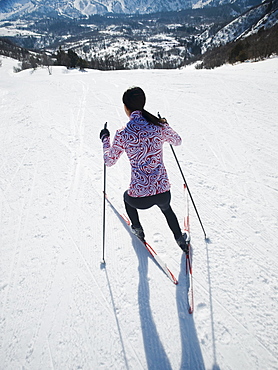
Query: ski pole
[(185, 184), (103, 220), (190, 195)]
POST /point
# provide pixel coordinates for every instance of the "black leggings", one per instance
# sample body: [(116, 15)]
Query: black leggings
[(161, 200)]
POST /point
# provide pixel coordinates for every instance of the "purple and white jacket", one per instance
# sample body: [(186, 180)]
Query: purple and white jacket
[(143, 143)]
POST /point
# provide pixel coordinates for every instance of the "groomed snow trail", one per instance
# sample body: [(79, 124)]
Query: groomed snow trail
[(58, 308)]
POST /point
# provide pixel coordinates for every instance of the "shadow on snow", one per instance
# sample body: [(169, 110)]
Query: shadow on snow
[(156, 357), (192, 358)]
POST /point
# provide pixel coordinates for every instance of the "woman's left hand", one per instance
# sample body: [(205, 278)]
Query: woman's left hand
[(104, 133)]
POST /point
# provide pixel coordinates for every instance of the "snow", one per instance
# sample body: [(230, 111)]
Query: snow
[(14, 32), (242, 26), (17, 28), (59, 308)]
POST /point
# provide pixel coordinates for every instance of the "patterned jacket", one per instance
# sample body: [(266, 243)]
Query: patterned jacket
[(143, 144)]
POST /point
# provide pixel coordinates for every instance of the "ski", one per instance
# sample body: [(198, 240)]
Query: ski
[(190, 288), (154, 255), (152, 252), (188, 257)]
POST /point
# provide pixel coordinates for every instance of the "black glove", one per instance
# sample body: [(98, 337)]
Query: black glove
[(104, 133), (162, 120)]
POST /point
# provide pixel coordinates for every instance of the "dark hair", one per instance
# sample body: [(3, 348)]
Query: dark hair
[(135, 99)]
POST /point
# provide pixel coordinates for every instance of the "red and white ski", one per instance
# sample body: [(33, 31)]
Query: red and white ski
[(155, 256), (148, 247), (188, 257)]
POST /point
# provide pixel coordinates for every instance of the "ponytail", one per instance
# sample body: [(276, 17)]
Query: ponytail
[(151, 118), (135, 99)]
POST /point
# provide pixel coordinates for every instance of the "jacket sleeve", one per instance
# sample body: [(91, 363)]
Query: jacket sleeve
[(170, 136), (112, 153)]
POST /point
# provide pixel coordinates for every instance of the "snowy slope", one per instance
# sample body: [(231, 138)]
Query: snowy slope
[(261, 16), (77, 8), (9, 9), (59, 309)]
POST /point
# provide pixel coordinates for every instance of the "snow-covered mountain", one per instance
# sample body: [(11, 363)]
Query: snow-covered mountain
[(137, 41), (263, 16), (77, 8)]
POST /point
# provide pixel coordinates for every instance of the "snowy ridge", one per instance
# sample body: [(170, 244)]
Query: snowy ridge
[(77, 8), (264, 15), (58, 308), (268, 21)]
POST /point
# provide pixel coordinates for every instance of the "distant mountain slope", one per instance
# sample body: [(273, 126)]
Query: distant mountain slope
[(161, 40), (262, 16), (78, 8)]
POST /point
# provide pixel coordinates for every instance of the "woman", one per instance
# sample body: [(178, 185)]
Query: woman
[(142, 139)]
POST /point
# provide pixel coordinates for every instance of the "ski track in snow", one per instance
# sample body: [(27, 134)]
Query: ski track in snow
[(59, 308)]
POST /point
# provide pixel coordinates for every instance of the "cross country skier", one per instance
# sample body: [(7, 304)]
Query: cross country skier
[(142, 139)]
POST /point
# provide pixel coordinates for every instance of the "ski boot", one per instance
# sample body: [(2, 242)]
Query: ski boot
[(183, 242), (139, 232)]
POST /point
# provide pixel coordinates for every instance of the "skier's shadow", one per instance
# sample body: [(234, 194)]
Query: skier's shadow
[(192, 358), (155, 354)]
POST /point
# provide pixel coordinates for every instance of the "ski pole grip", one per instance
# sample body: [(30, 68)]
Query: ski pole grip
[(105, 125), (164, 120)]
